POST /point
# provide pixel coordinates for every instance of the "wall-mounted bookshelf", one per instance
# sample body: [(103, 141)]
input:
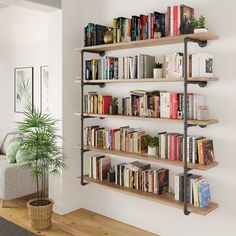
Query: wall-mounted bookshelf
[(190, 122), (166, 199), (154, 159), (147, 43), (201, 39)]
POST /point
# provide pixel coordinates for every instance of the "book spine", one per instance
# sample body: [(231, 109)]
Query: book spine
[(114, 30)]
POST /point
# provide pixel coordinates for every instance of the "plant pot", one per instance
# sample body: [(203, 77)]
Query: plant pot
[(113, 110), (200, 30), (40, 216), (157, 35), (152, 151), (157, 73)]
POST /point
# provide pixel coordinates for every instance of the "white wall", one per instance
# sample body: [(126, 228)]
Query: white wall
[(23, 43), (220, 97)]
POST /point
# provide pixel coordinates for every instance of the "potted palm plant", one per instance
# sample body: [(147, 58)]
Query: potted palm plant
[(37, 137), (152, 143)]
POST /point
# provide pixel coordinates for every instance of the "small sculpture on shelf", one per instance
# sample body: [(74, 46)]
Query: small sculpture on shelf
[(157, 71), (114, 106), (157, 33), (199, 25), (152, 143), (111, 174), (108, 36)]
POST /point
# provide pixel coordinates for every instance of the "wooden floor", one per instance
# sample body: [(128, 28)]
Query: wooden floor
[(78, 223)]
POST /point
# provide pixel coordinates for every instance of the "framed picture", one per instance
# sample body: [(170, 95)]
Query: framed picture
[(23, 88), (44, 82)]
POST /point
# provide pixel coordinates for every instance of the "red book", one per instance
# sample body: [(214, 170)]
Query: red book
[(174, 104), (106, 101), (152, 26), (168, 21), (143, 27), (112, 139), (175, 20), (177, 143)]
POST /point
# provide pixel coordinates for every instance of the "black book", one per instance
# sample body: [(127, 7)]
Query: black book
[(186, 17), (88, 70), (99, 32), (208, 151), (163, 180)]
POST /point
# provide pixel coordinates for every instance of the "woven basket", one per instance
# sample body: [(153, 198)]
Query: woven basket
[(40, 216)]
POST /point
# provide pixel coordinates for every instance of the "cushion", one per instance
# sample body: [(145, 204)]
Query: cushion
[(21, 156), (8, 139), (2, 138), (12, 151)]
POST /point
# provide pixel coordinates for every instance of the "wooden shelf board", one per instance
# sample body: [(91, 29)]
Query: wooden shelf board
[(147, 42), (148, 80), (190, 122), (167, 199), (145, 157)]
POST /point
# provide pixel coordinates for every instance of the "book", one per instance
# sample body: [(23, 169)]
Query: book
[(202, 65), (208, 151), (204, 194), (186, 17), (106, 101), (104, 166)]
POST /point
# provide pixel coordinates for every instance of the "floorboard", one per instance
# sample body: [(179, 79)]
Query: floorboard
[(78, 223)]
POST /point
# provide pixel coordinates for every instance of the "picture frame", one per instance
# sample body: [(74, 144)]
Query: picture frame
[(23, 88), (44, 89)]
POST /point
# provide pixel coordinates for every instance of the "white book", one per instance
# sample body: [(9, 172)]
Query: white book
[(140, 66), (191, 113), (177, 182), (165, 105), (121, 68), (163, 146), (90, 167)]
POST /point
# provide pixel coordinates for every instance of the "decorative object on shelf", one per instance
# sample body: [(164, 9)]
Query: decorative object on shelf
[(24, 88), (157, 33), (199, 25), (203, 113), (114, 106), (108, 36), (111, 174), (157, 71), (152, 143), (38, 140), (44, 89)]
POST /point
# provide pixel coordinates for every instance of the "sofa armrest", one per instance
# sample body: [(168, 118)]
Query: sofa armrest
[(16, 182)]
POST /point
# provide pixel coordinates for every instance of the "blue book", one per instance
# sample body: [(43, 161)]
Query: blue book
[(204, 195)]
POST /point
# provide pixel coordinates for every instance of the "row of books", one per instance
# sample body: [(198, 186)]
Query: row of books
[(133, 67), (97, 103), (134, 175), (198, 190), (142, 177), (99, 165), (200, 150), (144, 103), (161, 104), (175, 21), (124, 139), (141, 66)]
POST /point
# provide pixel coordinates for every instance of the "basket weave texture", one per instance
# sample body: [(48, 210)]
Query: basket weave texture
[(40, 216)]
